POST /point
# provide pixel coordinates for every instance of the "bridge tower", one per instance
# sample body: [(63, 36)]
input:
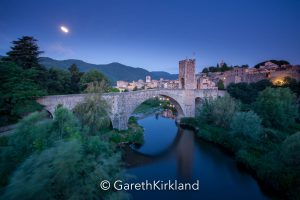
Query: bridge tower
[(187, 79)]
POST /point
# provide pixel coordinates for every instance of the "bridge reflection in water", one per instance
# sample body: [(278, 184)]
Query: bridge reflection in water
[(173, 153), (181, 146), (184, 151)]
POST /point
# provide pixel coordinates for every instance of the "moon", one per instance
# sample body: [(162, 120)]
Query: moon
[(64, 29)]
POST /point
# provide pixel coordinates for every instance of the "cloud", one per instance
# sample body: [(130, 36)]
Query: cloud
[(59, 50)]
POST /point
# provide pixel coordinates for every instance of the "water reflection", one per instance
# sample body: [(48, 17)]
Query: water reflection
[(184, 153), (156, 140), (172, 153)]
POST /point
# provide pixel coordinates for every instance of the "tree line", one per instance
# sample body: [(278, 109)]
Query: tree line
[(23, 79), (223, 68)]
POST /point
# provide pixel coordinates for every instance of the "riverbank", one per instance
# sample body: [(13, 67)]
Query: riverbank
[(133, 135), (262, 159)]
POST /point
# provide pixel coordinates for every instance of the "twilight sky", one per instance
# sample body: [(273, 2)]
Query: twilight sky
[(156, 34)]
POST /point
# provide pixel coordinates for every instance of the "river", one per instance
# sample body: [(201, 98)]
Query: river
[(173, 153)]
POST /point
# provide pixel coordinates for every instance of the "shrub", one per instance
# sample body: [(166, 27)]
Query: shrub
[(31, 134), (65, 123), (189, 121), (247, 93), (290, 150), (65, 171), (218, 111), (221, 85), (246, 124), (277, 107), (273, 135), (93, 113)]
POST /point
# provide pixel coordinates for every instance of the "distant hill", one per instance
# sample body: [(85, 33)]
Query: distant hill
[(277, 62), (114, 71)]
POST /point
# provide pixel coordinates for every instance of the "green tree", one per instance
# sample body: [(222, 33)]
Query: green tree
[(92, 76), (221, 85), (277, 107), (292, 84), (246, 124), (31, 135), (247, 93), (18, 91), (65, 123), (290, 150), (25, 52), (69, 170), (93, 112), (205, 70), (218, 111), (242, 91), (75, 78), (59, 81), (261, 85)]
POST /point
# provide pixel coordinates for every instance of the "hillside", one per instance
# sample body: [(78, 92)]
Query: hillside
[(277, 62), (114, 71)]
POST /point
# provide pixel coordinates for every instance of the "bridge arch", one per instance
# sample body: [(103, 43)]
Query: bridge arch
[(177, 106), (123, 104)]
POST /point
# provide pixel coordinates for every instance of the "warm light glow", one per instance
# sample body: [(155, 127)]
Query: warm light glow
[(64, 29), (278, 82)]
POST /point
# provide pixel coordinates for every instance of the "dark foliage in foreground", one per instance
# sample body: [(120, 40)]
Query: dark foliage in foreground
[(60, 159)]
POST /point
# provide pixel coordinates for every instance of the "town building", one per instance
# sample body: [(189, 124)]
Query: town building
[(148, 79), (122, 84), (187, 78), (269, 71), (204, 82)]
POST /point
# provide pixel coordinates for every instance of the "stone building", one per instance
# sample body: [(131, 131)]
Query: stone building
[(122, 84), (204, 82), (249, 75), (148, 79), (171, 84), (187, 79)]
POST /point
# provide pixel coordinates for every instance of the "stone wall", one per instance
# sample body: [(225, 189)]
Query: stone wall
[(122, 105), (186, 77)]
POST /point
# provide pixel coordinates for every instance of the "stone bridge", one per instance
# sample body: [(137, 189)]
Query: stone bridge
[(123, 104)]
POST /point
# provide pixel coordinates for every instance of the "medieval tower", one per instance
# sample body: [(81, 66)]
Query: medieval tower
[(187, 79)]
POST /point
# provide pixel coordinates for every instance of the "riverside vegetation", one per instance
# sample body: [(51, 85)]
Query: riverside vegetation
[(66, 157), (261, 128), (23, 79), (63, 158)]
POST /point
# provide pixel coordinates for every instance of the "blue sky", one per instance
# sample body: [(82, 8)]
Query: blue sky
[(156, 34)]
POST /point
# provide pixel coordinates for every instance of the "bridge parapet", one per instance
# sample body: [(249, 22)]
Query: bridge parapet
[(122, 104)]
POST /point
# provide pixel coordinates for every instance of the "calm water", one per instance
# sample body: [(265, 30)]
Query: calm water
[(175, 154)]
